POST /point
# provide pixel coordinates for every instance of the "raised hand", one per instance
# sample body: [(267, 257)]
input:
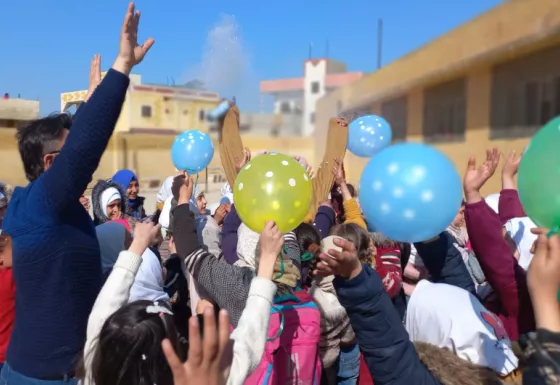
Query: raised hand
[(130, 52), (344, 263), (543, 279), (182, 187), (241, 162), (144, 235), (511, 166), (338, 171), (94, 75), (209, 358), (476, 177), (271, 243)]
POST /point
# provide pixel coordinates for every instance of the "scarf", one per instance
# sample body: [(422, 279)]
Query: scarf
[(519, 229), (124, 177), (108, 196), (460, 241), (148, 284), (164, 192), (285, 270)]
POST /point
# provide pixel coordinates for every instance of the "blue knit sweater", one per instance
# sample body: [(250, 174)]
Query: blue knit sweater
[(56, 257)]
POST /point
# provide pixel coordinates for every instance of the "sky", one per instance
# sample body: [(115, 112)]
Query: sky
[(46, 45)]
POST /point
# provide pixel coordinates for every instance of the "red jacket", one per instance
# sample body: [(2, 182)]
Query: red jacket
[(502, 270), (7, 310)]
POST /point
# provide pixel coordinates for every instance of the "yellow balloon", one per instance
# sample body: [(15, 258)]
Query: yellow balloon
[(272, 187)]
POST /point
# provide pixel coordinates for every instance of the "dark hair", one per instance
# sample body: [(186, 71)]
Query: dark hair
[(359, 237), (129, 350), (37, 138), (351, 189), (308, 235)]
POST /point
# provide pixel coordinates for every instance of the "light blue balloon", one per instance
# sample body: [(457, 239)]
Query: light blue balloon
[(410, 192), (368, 135), (192, 151)]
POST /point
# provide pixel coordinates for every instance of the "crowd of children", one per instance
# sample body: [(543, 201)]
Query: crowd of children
[(191, 295)]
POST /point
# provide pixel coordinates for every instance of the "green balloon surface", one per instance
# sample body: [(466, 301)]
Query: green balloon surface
[(539, 176)]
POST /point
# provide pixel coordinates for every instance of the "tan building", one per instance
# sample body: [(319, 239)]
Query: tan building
[(151, 117), (491, 82), (13, 112)]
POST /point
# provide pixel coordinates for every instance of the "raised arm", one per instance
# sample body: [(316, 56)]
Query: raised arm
[(72, 169), (509, 205)]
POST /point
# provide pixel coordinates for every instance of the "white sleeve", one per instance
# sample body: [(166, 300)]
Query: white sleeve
[(415, 259), (111, 298), (252, 330)]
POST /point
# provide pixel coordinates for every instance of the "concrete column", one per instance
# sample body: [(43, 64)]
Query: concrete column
[(478, 103), (415, 115)]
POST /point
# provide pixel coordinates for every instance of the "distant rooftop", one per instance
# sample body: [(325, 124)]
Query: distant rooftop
[(19, 109)]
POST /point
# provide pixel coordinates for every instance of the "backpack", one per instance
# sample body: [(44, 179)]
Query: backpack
[(291, 355)]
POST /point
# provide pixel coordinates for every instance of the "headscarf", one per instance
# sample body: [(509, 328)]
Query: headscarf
[(247, 241), (164, 192), (108, 196), (492, 200), (124, 177), (519, 229), (148, 284), (111, 237)]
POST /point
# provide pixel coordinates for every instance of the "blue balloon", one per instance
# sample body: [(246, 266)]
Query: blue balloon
[(368, 135), (410, 192), (192, 151)]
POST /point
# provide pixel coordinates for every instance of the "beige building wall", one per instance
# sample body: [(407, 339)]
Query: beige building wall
[(506, 33)]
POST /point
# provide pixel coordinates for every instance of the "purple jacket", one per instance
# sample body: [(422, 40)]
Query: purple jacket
[(229, 235), (502, 270)]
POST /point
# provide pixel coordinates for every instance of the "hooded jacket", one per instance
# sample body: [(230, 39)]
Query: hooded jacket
[(99, 212)]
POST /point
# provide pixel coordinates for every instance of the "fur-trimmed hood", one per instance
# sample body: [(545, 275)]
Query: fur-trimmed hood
[(6, 190), (99, 213)]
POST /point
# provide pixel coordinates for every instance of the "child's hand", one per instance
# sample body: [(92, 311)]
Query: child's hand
[(271, 245), (344, 263), (209, 358), (475, 177), (144, 234), (543, 279)]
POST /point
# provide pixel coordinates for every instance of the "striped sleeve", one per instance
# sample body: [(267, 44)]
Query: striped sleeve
[(228, 285)]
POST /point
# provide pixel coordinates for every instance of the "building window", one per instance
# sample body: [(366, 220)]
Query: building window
[(201, 115), (395, 112), (312, 118), (146, 111), (525, 94), (445, 112), (315, 87), (285, 107)]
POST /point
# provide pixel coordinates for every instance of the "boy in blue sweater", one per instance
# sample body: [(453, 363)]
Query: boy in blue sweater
[(56, 257)]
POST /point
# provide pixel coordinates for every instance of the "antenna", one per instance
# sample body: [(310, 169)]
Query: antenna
[(310, 50), (327, 49), (172, 81)]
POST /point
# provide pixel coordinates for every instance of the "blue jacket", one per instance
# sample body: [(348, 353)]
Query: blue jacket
[(445, 263), (56, 257), (384, 342)]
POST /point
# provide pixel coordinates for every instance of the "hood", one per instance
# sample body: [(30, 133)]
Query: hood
[(98, 211), (519, 229), (449, 317)]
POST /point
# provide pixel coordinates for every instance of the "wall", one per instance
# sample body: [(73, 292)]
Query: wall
[(314, 71), (477, 137), (168, 112)]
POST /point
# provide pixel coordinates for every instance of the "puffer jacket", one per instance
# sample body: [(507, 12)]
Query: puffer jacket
[(99, 213)]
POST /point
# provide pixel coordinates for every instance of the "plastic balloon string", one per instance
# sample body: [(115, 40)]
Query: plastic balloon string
[(553, 231), (195, 185), (307, 256), (281, 329), (282, 268)]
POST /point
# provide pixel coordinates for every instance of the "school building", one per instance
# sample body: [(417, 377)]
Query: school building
[(491, 82)]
